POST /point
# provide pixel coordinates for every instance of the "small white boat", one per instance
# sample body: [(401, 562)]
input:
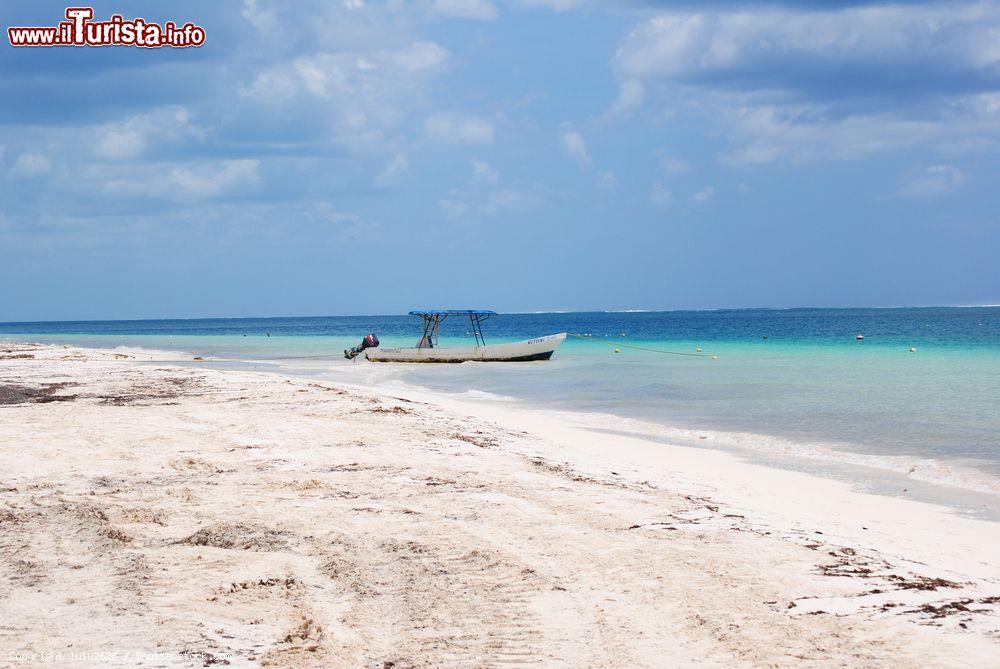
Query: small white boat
[(541, 348), (427, 349)]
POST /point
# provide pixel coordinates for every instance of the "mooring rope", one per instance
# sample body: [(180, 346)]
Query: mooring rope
[(640, 348)]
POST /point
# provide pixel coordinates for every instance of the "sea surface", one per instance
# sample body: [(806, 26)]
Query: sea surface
[(792, 388)]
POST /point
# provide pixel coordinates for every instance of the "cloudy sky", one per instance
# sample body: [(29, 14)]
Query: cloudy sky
[(347, 157)]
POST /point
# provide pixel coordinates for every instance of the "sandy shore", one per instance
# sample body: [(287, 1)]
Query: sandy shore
[(189, 516)]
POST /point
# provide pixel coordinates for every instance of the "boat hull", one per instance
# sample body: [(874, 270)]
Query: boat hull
[(529, 350)]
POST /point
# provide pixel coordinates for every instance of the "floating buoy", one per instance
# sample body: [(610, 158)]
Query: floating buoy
[(860, 337), (698, 349), (617, 351), (624, 334), (765, 336), (715, 357), (913, 349)]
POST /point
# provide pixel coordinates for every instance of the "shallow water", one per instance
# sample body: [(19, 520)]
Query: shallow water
[(809, 389)]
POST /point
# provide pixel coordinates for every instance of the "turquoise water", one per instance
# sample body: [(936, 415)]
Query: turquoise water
[(808, 390)]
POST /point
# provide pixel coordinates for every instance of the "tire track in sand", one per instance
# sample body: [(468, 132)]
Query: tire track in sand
[(435, 592)]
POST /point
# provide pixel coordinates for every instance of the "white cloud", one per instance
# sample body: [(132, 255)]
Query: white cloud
[(671, 165), (607, 181), (313, 76), (419, 56), (129, 138), (347, 74), (211, 181), (277, 83), (465, 9), (396, 166), (554, 5), (574, 145), (704, 195), (882, 38), (631, 94), (354, 99), (264, 20), (450, 127), (806, 132), (846, 82), (456, 204), (31, 165), (660, 195), (757, 153), (481, 171), (200, 181), (340, 225), (119, 143), (462, 205), (934, 181)]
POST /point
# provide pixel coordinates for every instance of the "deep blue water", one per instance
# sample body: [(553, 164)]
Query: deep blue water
[(936, 326), (808, 389)]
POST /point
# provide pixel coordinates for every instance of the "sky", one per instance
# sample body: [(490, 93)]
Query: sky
[(355, 157)]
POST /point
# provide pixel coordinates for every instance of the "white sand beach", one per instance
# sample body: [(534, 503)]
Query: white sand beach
[(189, 516)]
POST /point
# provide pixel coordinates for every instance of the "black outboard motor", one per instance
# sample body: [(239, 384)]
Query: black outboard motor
[(370, 341)]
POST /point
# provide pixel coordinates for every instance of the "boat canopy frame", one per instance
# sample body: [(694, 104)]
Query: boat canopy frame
[(432, 322)]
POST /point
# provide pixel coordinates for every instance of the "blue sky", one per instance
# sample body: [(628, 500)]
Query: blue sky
[(361, 157)]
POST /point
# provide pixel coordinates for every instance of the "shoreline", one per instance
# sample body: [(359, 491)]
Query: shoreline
[(284, 521), (967, 492), (966, 488)]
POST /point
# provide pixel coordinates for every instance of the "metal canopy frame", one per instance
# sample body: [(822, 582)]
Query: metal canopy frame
[(432, 324)]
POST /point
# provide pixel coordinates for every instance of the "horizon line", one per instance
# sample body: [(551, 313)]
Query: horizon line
[(511, 313)]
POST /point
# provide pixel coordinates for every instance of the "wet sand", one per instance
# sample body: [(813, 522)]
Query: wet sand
[(187, 516)]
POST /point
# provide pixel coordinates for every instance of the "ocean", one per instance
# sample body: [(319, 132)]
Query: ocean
[(791, 388)]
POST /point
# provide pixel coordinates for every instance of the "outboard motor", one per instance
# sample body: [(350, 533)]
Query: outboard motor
[(370, 341)]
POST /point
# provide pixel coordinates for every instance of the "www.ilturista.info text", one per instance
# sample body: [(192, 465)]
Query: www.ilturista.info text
[(80, 30)]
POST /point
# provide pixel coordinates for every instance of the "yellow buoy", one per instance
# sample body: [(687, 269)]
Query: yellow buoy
[(617, 351)]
